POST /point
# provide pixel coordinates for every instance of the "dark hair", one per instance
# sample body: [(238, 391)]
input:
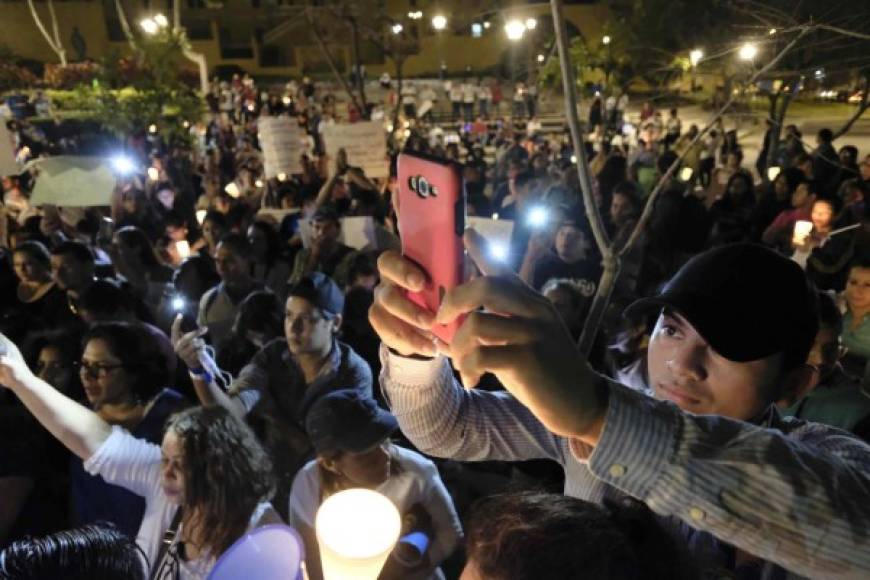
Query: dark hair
[(826, 135), (226, 473), (361, 265), (217, 218), (139, 352), (531, 535), (133, 236), (800, 159), (174, 219), (195, 276), (91, 552), (36, 250), (526, 178), (260, 311), (630, 191), (77, 250), (834, 202), (238, 244), (749, 195), (105, 297), (273, 240), (665, 160)]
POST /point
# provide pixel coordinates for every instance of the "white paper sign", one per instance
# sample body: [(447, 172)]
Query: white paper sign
[(8, 166), (495, 231), (283, 142), (365, 144)]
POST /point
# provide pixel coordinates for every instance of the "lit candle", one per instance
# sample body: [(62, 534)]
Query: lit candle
[(183, 249), (356, 531)]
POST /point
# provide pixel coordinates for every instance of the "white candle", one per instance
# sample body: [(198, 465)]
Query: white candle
[(356, 531)]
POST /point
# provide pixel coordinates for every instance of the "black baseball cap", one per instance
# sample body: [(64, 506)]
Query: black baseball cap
[(747, 301), (347, 420), (321, 291)]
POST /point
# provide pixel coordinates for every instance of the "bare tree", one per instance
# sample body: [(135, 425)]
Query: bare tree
[(863, 105), (613, 256), (53, 40)]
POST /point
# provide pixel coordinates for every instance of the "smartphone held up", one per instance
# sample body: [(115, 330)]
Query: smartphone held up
[(431, 224)]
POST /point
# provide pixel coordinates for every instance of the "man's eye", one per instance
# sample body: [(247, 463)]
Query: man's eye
[(669, 330)]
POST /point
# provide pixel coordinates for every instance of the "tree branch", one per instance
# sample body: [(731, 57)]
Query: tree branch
[(328, 56), (57, 50), (862, 106), (648, 208)]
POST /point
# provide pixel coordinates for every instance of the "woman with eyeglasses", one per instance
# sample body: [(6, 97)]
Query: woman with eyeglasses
[(204, 486), (123, 373)]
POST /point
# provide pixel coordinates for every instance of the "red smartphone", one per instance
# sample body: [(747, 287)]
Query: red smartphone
[(431, 212)]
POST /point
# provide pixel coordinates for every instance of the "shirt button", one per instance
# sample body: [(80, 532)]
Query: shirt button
[(617, 470), (697, 514)]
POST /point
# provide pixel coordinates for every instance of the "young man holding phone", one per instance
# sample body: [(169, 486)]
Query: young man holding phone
[(750, 492)]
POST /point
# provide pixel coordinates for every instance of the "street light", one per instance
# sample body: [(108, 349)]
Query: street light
[(748, 51), (161, 21), (439, 22), (541, 58), (397, 28), (148, 25), (415, 15), (515, 30), (695, 56), (476, 30), (606, 40), (772, 31), (531, 23)]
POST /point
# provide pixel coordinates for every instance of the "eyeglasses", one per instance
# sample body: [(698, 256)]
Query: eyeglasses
[(96, 370)]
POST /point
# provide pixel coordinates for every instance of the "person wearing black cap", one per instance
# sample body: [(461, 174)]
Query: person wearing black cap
[(274, 390), (351, 435), (326, 253), (708, 450)]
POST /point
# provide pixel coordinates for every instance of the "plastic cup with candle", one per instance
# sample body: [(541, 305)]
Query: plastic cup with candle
[(153, 174), (773, 172), (686, 173), (802, 230), (200, 216), (356, 531), (232, 189), (183, 249)]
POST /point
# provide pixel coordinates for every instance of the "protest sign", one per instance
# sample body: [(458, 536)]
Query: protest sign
[(72, 181), (8, 166), (495, 231), (283, 142), (365, 144)]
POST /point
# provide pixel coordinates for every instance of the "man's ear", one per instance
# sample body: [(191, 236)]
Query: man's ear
[(336, 323), (796, 385), (329, 465)]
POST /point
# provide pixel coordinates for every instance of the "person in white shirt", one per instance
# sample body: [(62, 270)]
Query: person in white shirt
[(484, 98), (204, 487), (351, 436), (455, 94), (469, 95)]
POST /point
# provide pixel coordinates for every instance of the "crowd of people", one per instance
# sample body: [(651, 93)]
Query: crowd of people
[(206, 355)]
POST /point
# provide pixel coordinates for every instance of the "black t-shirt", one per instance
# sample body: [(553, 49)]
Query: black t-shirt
[(586, 271)]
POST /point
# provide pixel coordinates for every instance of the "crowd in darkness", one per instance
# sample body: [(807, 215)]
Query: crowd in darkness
[(206, 355)]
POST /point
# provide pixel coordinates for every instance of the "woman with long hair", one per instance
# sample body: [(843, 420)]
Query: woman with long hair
[(351, 436), (207, 483), (38, 302)]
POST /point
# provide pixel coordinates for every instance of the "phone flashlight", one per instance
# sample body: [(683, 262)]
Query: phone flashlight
[(499, 251), (178, 304), (123, 164), (537, 217)]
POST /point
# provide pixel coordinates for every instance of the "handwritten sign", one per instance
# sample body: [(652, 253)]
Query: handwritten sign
[(283, 142), (365, 145)]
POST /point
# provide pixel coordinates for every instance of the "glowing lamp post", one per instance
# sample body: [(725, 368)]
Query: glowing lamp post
[(748, 52), (356, 531), (515, 30), (439, 22)]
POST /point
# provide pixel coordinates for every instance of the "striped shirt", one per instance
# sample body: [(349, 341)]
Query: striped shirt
[(792, 493)]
